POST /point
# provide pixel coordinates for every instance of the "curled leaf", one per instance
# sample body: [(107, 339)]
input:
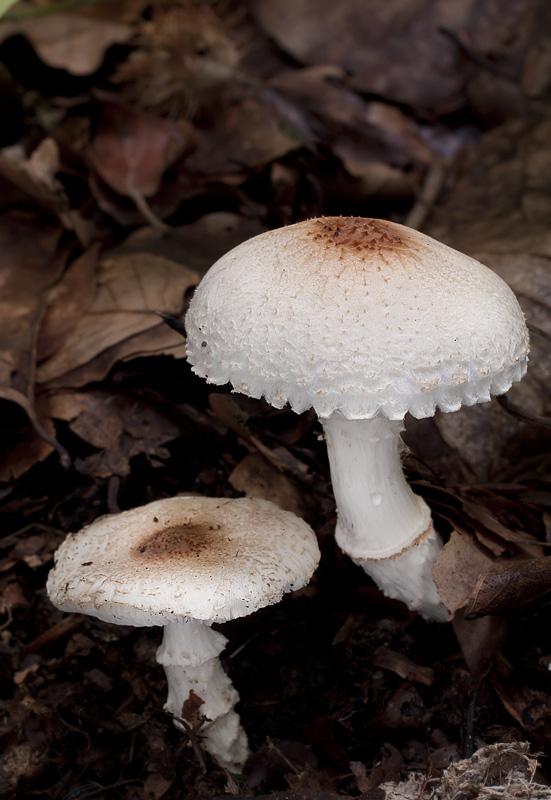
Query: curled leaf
[(509, 585)]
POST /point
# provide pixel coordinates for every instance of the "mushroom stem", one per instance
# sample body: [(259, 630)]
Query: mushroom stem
[(189, 654), (382, 524)]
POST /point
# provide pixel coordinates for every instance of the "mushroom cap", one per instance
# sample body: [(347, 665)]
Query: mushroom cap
[(206, 558), (357, 316)]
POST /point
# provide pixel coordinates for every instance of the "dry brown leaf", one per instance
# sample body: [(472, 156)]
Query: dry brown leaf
[(530, 707), (130, 289), (387, 770), (118, 426), (23, 447), (72, 42), (157, 341), (69, 299), (255, 476), (393, 50), (480, 641), (508, 231), (434, 56), (247, 136), (508, 585), (385, 658), (36, 174), (199, 243), (375, 132), (30, 267), (27, 270), (131, 150), (457, 569)]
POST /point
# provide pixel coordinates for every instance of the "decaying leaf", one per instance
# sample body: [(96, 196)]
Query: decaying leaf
[(198, 244), (509, 585), (424, 55), (36, 174), (191, 711), (73, 42), (375, 132), (529, 706), (255, 476), (480, 641), (130, 289), (119, 427), (386, 658), (508, 231), (247, 136), (68, 301), (131, 151), (457, 568), (29, 267)]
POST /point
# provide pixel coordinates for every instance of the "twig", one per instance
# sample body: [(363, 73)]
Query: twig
[(434, 180), (113, 486), (283, 757), (194, 743)]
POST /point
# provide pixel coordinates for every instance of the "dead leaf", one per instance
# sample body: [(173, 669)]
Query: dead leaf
[(255, 476), (434, 57), (508, 585), (374, 131), (131, 150), (160, 340), (36, 174), (119, 427), (385, 658), (404, 710), (156, 786), (68, 301), (30, 267), (480, 641), (457, 568), (531, 708), (388, 770), (200, 243), (509, 232), (73, 42), (249, 135), (394, 51), (130, 289)]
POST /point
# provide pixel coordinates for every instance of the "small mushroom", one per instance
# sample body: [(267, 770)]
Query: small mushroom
[(185, 563), (364, 321)]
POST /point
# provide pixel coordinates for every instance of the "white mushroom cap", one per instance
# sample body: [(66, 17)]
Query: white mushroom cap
[(357, 316), (206, 558)]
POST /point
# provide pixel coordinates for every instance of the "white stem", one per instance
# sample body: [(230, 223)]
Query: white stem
[(189, 654), (381, 523)]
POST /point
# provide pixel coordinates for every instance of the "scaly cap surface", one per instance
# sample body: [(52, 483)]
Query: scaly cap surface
[(357, 316), (201, 557)]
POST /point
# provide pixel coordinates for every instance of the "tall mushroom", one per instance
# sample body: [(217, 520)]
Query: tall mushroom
[(184, 563), (364, 321)]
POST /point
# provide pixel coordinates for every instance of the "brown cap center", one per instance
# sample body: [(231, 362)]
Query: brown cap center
[(357, 233), (181, 542)]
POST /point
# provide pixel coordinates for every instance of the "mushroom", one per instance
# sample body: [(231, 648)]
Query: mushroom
[(364, 321), (184, 563)]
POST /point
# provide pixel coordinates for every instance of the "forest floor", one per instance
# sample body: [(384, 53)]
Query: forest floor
[(139, 143)]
